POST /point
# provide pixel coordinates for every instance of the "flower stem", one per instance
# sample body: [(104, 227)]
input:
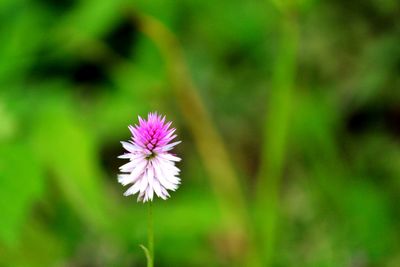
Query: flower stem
[(150, 235)]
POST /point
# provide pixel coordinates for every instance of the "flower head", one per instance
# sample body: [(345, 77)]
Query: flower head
[(151, 167)]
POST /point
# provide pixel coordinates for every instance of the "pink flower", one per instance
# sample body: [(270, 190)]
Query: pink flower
[(151, 167)]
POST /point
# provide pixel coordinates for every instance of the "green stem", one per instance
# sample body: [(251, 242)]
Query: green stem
[(150, 235)]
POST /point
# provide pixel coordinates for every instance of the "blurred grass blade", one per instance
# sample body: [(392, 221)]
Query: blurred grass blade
[(275, 134)]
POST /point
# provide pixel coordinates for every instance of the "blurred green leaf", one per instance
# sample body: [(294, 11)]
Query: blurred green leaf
[(39, 247), (20, 37), (21, 184), (8, 124), (68, 150), (367, 221)]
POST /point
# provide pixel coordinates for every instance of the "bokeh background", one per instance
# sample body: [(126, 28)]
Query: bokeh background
[(289, 113)]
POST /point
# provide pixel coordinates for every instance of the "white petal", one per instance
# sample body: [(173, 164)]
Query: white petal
[(168, 167), (133, 189), (170, 133), (128, 167), (143, 184), (140, 197), (168, 156), (135, 161), (165, 193), (126, 156), (170, 146), (124, 179), (150, 177), (136, 155), (140, 168), (170, 176), (130, 147), (150, 192), (150, 174), (157, 187), (174, 180), (160, 176)]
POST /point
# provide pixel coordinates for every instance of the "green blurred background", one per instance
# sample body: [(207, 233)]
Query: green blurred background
[(289, 113)]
